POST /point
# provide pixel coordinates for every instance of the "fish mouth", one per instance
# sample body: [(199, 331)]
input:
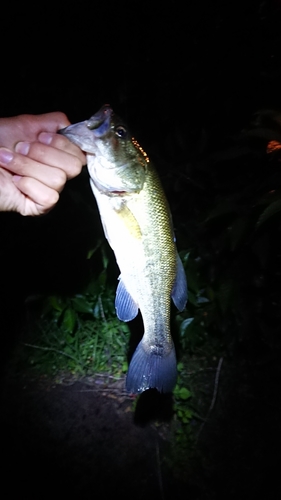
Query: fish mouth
[(83, 134), (99, 123)]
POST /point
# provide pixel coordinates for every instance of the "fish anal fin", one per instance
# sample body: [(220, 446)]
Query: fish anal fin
[(126, 307), (179, 292), (150, 369)]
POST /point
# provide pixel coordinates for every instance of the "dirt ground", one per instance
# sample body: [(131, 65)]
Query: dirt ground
[(81, 439)]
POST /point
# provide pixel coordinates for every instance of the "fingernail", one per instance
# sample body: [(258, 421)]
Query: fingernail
[(22, 148), (5, 156), (45, 138)]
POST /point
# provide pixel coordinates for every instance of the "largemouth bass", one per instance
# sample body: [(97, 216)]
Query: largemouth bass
[(137, 224)]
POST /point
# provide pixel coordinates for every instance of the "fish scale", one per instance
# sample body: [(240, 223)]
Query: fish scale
[(137, 224)]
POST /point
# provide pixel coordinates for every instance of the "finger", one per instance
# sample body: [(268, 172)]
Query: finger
[(50, 156), (28, 127), (53, 177), (39, 193), (49, 122), (53, 121), (60, 142)]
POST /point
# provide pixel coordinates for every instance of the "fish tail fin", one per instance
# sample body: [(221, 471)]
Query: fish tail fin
[(152, 369)]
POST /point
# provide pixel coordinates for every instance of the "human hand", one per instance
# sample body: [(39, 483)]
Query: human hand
[(35, 162)]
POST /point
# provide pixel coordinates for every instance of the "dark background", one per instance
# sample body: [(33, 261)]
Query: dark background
[(176, 72), (179, 75), (214, 63)]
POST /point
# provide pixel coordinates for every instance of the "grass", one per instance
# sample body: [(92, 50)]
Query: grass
[(80, 335)]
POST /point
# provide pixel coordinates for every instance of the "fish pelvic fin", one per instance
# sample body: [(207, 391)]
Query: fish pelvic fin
[(179, 292), (152, 369), (126, 308)]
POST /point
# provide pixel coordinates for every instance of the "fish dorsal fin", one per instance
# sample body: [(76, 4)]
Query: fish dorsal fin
[(179, 292), (126, 307)]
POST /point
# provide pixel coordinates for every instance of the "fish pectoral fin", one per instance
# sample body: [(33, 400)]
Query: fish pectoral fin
[(126, 307), (129, 220), (152, 369), (179, 292)]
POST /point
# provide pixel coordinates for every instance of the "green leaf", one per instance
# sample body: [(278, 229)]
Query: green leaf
[(184, 325), (192, 299), (68, 350), (96, 310), (69, 339), (224, 208), (57, 302), (270, 197), (69, 320), (271, 210), (105, 259), (93, 288), (192, 276), (184, 393), (102, 278), (125, 367), (92, 251), (188, 414), (80, 304), (202, 300), (184, 255)]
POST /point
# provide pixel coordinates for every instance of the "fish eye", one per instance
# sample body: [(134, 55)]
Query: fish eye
[(121, 132)]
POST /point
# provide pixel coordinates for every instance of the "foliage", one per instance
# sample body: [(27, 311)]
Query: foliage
[(80, 333), (227, 212), (182, 396), (226, 203), (231, 201)]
